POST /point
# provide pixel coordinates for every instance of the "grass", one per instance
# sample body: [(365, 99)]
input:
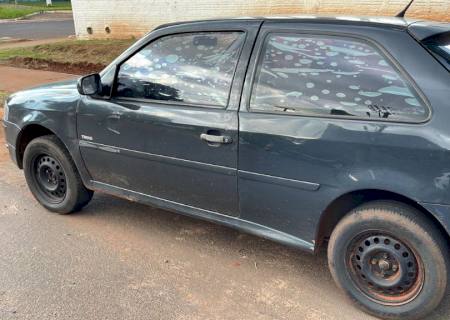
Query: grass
[(71, 51), (12, 11), (58, 5)]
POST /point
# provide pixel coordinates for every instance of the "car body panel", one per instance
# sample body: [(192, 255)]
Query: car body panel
[(12, 131), (177, 166)]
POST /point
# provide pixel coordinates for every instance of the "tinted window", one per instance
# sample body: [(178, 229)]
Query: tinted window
[(440, 46), (327, 75), (191, 68)]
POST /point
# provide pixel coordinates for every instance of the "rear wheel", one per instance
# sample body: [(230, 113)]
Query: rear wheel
[(390, 260), (52, 176)]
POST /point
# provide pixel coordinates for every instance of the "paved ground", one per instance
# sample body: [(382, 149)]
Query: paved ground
[(14, 79), (122, 260), (35, 29)]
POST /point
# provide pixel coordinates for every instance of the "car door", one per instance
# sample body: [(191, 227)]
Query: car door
[(170, 129), (320, 106)]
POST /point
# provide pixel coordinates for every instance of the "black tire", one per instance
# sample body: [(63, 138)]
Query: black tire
[(390, 260), (53, 177)]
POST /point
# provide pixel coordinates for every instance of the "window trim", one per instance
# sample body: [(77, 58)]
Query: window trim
[(180, 103), (383, 52)]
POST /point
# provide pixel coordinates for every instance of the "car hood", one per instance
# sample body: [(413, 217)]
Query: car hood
[(57, 91), (31, 104), (60, 85)]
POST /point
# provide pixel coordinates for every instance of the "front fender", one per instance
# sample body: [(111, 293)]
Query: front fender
[(49, 108)]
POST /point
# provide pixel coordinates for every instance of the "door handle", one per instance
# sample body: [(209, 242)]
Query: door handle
[(216, 139)]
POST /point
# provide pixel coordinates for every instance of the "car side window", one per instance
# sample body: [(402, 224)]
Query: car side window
[(191, 68), (326, 75)]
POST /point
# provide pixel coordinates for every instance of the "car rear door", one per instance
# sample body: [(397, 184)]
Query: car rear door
[(170, 130)]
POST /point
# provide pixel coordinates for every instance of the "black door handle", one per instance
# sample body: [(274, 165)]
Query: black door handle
[(215, 139)]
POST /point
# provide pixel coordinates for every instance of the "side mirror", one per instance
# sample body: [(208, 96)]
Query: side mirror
[(89, 85)]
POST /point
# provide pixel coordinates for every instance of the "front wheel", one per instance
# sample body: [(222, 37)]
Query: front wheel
[(52, 176), (390, 260)]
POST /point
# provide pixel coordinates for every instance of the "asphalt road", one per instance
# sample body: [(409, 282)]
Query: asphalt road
[(122, 260), (36, 30)]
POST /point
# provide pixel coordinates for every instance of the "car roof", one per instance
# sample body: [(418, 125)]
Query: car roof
[(310, 18)]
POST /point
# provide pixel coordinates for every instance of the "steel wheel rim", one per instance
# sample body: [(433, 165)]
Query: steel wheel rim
[(50, 178), (385, 269)]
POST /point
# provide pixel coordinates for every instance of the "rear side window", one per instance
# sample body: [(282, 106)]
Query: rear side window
[(193, 68), (439, 45), (332, 76)]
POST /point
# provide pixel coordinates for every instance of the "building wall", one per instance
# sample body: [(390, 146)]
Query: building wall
[(127, 18)]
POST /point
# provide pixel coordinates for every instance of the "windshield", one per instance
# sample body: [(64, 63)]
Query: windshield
[(439, 45)]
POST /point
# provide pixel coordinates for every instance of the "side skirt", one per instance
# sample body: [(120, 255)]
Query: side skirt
[(233, 222)]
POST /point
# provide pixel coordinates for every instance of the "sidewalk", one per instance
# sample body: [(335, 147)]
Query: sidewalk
[(15, 79), (23, 43)]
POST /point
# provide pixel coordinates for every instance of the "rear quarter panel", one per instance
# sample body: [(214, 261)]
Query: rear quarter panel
[(343, 155)]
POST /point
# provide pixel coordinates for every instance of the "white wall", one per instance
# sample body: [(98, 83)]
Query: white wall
[(128, 18)]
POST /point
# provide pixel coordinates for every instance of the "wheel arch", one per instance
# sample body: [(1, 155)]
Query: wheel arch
[(343, 204), (26, 135)]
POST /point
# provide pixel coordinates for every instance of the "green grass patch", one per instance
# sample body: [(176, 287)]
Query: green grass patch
[(57, 5), (72, 51), (11, 11)]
